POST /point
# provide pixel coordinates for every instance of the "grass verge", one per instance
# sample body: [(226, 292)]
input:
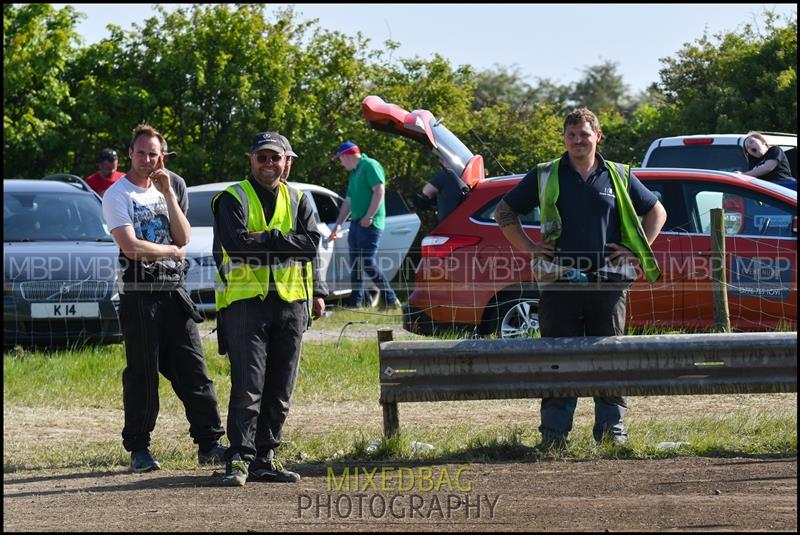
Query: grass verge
[(90, 379)]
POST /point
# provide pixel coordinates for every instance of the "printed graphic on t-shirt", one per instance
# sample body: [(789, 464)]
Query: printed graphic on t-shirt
[(150, 222)]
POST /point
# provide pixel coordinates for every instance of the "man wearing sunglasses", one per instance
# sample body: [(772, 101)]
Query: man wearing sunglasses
[(265, 243)]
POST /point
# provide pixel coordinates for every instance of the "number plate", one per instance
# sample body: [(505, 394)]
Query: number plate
[(65, 310)]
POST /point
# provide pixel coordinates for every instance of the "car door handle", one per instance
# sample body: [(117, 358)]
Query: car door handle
[(401, 230)]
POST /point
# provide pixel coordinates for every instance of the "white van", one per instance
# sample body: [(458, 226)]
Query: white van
[(723, 152)]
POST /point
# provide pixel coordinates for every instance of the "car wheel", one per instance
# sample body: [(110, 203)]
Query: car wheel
[(518, 318)]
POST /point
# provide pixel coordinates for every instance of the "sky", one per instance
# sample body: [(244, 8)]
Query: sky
[(552, 41)]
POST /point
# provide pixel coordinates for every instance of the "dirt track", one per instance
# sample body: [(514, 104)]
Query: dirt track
[(675, 494), (615, 495)]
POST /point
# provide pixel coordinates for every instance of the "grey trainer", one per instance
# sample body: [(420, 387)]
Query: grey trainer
[(235, 472)]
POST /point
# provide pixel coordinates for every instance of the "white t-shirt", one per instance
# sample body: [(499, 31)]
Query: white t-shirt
[(145, 209)]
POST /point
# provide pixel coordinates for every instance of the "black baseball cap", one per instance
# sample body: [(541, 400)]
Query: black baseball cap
[(107, 155), (267, 140)]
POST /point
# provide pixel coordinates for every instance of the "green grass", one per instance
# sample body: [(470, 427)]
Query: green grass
[(375, 316), (741, 435), (346, 373), (91, 378)]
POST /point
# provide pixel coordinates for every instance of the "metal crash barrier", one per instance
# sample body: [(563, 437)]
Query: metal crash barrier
[(451, 370)]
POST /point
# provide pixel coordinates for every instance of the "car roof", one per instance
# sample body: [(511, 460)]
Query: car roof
[(685, 172), (655, 173), (219, 186), (22, 184), (773, 138)]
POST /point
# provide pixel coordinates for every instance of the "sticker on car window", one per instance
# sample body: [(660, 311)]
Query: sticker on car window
[(764, 278)]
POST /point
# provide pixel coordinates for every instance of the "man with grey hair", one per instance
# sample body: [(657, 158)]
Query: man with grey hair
[(265, 240)]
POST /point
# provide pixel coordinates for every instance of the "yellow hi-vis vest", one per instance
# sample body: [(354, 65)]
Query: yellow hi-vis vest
[(631, 230), (237, 280)]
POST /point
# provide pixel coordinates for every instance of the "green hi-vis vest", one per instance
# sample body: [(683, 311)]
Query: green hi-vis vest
[(237, 280), (633, 236)]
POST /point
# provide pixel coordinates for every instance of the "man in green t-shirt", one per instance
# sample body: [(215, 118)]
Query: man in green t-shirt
[(365, 193)]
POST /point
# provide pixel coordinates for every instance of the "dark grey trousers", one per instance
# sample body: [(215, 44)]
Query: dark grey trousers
[(582, 312), (263, 342), (161, 337)]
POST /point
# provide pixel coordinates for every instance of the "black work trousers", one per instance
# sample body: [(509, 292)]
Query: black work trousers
[(583, 311), (161, 337), (263, 341)]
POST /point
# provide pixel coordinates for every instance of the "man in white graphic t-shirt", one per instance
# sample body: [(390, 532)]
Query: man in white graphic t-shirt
[(147, 219)]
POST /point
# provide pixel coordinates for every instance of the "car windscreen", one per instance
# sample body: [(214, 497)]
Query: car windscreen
[(719, 157), (50, 216), (200, 214)]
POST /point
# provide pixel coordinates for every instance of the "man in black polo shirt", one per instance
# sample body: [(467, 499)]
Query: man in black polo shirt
[(584, 205), (446, 187)]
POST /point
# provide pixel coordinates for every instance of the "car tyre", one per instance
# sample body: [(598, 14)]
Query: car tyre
[(514, 317)]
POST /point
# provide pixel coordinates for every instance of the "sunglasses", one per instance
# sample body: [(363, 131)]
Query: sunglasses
[(263, 158)]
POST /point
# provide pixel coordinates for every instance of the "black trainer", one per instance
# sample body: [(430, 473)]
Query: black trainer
[(142, 461), (552, 444), (271, 470), (213, 455)]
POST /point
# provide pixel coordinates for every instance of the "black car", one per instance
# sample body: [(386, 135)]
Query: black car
[(59, 265)]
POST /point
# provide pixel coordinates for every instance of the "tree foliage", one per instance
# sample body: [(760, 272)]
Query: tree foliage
[(210, 76), (735, 81), (38, 45), (601, 89)]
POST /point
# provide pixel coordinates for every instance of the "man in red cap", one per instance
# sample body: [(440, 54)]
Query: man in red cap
[(365, 199)]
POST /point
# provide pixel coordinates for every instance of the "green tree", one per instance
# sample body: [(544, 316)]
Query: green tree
[(209, 77), (330, 78), (38, 44), (506, 85), (502, 85), (736, 81), (601, 89)]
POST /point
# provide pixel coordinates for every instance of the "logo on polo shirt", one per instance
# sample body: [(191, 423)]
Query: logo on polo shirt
[(607, 192)]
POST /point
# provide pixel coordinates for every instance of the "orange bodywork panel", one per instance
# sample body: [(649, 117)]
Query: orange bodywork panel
[(474, 171)]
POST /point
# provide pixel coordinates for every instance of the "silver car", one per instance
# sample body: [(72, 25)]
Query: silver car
[(59, 265), (401, 229)]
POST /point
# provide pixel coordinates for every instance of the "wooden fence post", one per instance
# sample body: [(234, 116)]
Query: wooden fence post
[(722, 319), (391, 417)]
